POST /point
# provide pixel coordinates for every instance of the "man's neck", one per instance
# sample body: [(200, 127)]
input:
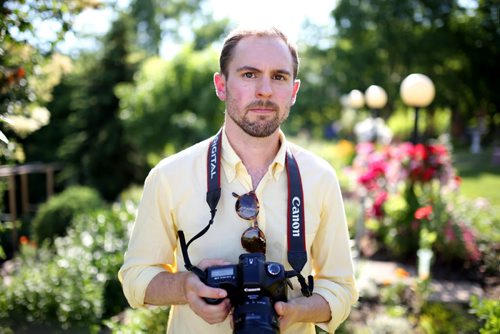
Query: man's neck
[(255, 153)]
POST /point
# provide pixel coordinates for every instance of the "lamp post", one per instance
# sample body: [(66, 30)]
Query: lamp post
[(356, 99), (417, 91), (376, 99)]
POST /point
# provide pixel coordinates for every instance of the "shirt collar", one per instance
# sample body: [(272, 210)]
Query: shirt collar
[(231, 161)]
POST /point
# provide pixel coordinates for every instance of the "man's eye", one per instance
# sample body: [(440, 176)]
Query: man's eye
[(279, 77), (248, 75)]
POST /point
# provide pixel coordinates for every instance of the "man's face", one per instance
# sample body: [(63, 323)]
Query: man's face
[(260, 88)]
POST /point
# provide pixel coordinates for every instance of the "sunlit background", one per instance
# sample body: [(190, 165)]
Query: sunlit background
[(399, 96)]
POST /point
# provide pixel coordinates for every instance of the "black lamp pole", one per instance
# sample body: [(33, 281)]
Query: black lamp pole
[(414, 137)]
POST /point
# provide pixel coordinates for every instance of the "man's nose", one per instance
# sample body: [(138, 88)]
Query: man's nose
[(264, 88)]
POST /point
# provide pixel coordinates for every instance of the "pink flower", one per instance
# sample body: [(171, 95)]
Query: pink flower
[(449, 233), (473, 252)]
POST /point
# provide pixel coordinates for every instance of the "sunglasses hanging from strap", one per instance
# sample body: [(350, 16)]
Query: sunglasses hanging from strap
[(297, 255)]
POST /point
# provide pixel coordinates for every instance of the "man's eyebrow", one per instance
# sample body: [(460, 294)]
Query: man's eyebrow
[(254, 69), (247, 68), (284, 72)]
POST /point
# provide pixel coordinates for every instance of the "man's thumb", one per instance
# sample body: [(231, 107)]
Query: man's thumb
[(280, 307)]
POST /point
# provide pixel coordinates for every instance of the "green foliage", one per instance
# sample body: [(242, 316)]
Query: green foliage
[(401, 122), (485, 218), (67, 286), (152, 320), (50, 290), (453, 42), (488, 311), (23, 56), (55, 216), (171, 103), (440, 318), (155, 19), (91, 142)]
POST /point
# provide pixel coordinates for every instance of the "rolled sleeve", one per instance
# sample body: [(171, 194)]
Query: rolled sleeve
[(340, 295), (332, 261), (135, 281), (152, 242)]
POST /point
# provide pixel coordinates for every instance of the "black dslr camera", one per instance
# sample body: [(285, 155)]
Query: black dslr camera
[(253, 287)]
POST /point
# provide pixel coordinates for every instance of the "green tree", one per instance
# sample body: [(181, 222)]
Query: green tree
[(172, 104), (25, 83), (85, 132), (156, 20), (381, 42), (100, 153)]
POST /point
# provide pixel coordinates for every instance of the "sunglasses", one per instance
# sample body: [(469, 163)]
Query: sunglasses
[(253, 239)]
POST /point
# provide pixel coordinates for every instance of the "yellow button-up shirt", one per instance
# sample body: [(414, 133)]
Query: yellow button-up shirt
[(174, 199)]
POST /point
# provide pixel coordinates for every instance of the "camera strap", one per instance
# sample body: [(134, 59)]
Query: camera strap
[(297, 255)]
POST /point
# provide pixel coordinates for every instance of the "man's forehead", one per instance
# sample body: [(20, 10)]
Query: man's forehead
[(262, 51)]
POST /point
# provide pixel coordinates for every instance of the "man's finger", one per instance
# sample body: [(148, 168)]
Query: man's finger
[(204, 264), (280, 308), (208, 292)]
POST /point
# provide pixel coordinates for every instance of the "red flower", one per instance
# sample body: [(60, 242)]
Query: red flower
[(420, 152), (21, 72), (428, 174), (23, 240), (423, 212), (379, 201)]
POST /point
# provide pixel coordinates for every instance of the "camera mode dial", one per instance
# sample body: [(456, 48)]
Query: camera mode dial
[(273, 269)]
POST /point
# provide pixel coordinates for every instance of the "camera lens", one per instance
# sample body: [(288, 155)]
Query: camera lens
[(255, 316)]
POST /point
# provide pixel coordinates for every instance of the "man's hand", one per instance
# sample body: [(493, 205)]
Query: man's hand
[(303, 309), (287, 313), (195, 290)]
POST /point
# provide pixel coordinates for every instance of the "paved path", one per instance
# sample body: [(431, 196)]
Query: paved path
[(372, 274)]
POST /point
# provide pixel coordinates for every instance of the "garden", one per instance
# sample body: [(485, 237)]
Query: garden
[(423, 215), (63, 277)]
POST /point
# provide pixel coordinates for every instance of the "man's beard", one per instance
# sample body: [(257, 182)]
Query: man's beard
[(263, 126)]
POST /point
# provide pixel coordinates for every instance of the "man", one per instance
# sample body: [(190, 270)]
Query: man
[(258, 83)]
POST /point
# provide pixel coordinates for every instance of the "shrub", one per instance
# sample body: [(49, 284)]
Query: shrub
[(409, 191), (446, 318), (153, 320), (55, 215), (74, 283), (52, 290), (488, 311)]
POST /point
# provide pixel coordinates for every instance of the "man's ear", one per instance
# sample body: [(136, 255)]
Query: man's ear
[(296, 86), (220, 86)]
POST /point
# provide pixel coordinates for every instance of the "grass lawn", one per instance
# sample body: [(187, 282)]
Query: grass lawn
[(480, 177)]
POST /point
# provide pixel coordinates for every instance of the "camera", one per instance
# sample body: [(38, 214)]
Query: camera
[(253, 287)]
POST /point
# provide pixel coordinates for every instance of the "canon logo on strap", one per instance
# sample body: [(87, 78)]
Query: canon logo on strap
[(296, 216)]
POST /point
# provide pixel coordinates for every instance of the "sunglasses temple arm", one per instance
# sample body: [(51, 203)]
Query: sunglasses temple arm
[(187, 262)]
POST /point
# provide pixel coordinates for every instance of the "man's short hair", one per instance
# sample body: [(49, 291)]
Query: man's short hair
[(237, 35)]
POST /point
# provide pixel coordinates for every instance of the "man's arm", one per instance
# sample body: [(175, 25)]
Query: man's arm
[(186, 288), (303, 309)]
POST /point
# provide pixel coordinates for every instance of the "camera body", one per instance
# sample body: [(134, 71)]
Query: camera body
[(253, 286)]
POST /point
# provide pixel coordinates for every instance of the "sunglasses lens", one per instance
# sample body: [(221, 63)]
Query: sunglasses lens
[(247, 206), (253, 240)]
